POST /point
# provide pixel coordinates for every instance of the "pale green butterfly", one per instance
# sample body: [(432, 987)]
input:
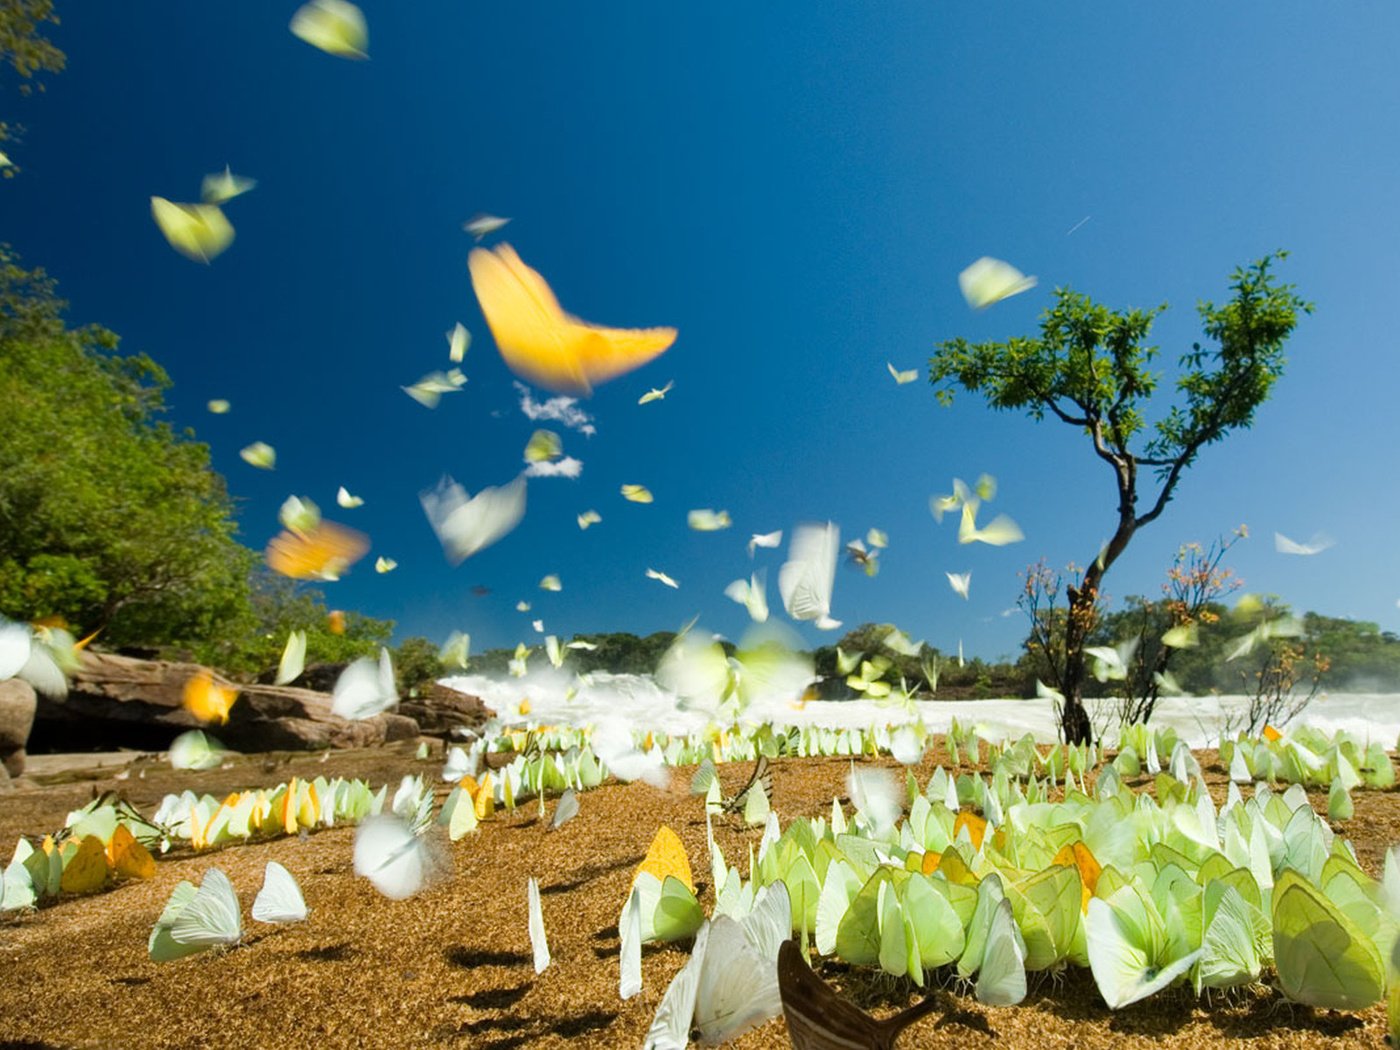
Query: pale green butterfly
[(197, 231), (1128, 948), (989, 281), (1322, 959), (333, 26)]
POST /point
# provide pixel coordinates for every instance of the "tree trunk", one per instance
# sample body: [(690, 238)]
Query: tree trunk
[(1075, 726)]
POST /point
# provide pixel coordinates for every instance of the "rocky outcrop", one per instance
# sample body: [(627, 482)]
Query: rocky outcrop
[(119, 701), (440, 710), (17, 705)]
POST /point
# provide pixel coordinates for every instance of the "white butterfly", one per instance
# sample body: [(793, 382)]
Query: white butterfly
[(998, 533), (752, 594), (630, 962), (770, 540), (458, 340), (589, 517), (538, 943), (391, 856), (383, 565), (989, 281), (565, 810), (346, 500), (280, 898), (738, 986), (213, 917), (464, 525), (481, 224), (365, 688), (653, 574), (656, 395), (959, 581), (902, 377), (1316, 545), (806, 578), (670, 1028)]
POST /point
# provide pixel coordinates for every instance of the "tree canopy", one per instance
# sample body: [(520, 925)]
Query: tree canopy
[(109, 517), (26, 52), (1090, 369)]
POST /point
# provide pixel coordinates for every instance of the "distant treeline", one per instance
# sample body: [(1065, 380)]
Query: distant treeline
[(1358, 656)]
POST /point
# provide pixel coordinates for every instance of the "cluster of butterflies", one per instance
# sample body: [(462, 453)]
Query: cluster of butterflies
[(995, 881), (196, 920)]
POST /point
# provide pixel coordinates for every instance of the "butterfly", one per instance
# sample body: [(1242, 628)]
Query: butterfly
[(902, 377), (989, 281), (806, 578), (333, 26), (959, 581), (765, 539), (207, 700), (761, 778), (218, 406), (637, 493), (383, 565), (654, 574), (458, 341), (1316, 545), (224, 186), (482, 225), (708, 520), (655, 394), (320, 553), (344, 499), (543, 344), (365, 688), (259, 454), (197, 231), (543, 446), (819, 1019), (428, 390), (464, 525), (391, 856), (538, 943), (280, 899), (589, 517)]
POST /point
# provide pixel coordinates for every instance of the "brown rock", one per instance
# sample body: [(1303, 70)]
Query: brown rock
[(18, 703), (118, 701), (439, 710)]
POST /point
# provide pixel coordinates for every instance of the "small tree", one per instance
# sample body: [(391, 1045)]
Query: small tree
[(1089, 368)]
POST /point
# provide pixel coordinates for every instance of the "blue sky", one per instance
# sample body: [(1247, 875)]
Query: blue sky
[(795, 188)]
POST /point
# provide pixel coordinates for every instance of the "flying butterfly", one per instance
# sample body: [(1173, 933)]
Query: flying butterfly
[(543, 344)]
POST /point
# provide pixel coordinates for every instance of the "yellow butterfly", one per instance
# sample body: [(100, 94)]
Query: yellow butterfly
[(84, 866), (197, 231), (543, 344), (667, 856), (322, 553), (589, 517), (334, 26), (259, 454), (128, 857), (637, 493), (218, 406)]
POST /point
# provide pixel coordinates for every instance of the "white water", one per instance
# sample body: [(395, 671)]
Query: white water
[(638, 699)]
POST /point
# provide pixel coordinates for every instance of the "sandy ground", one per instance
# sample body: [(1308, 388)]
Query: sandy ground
[(452, 966)]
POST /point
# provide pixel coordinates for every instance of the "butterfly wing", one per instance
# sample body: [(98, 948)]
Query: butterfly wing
[(280, 899), (212, 917)]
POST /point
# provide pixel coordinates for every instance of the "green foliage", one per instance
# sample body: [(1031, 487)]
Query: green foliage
[(1090, 369), (25, 51), (109, 518), (251, 640), (416, 666)]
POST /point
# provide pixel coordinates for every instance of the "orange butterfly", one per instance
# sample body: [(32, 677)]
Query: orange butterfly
[(207, 700), (322, 552), (543, 344)]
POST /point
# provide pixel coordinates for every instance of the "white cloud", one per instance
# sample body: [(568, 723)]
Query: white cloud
[(568, 467), (563, 410)]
